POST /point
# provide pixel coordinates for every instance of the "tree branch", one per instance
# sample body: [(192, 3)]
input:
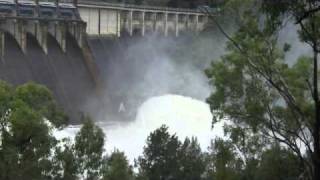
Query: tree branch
[(307, 14), (310, 87)]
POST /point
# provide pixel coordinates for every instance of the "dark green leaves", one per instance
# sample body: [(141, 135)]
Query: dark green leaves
[(89, 144)]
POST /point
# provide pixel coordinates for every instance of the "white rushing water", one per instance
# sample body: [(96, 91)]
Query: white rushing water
[(184, 116)]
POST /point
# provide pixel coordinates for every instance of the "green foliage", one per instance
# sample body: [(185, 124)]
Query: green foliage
[(117, 167), (89, 144), (26, 141), (265, 99), (160, 156), (311, 32), (278, 163), (250, 79), (6, 94), (41, 100), (192, 160), (165, 157), (65, 162), (223, 162)]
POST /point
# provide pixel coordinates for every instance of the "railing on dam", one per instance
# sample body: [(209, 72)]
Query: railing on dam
[(139, 7)]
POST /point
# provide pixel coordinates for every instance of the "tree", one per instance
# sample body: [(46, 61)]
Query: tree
[(40, 99), (26, 141), (257, 90), (117, 167), (160, 156), (278, 163), (192, 160), (65, 162), (165, 157), (89, 144), (223, 162)]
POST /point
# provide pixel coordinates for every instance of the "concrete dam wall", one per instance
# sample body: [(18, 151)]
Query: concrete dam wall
[(69, 77), (65, 74), (48, 43)]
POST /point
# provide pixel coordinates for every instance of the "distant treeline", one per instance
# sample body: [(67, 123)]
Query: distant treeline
[(171, 3)]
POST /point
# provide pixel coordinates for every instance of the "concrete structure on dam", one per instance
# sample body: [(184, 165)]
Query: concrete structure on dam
[(39, 18), (114, 19)]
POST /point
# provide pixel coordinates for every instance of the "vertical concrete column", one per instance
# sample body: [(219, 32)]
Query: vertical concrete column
[(197, 23), (41, 36), (166, 24), (63, 37), (37, 8), (21, 35), (60, 35), (186, 21), (131, 23), (57, 5), (143, 28), (99, 22), (17, 7), (154, 22), (2, 46), (81, 30), (177, 24), (206, 19), (118, 23)]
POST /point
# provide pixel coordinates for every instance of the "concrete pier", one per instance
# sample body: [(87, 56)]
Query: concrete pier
[(38, 19), (103, 19)]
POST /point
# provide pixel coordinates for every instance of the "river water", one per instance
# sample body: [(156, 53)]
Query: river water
[(184, 116)]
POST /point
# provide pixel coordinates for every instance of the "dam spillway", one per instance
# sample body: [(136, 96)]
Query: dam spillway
[(65, 74), (74, 54)]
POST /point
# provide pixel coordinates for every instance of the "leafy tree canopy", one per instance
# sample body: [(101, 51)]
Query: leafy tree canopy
[(89, 144), (266, 99), (117, 167), (26, 141)]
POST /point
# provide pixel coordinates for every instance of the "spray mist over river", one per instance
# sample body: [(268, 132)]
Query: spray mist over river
[(136, 69), (157, 81), (185, 117)]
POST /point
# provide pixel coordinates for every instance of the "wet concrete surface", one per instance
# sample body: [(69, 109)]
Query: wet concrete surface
[(65, 74)]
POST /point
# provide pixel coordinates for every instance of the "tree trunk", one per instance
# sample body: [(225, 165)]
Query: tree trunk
[(316, 135)]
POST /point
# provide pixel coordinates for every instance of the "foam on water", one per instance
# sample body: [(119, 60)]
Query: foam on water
[(184, 116)]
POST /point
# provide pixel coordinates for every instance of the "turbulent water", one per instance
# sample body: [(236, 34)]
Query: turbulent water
[(137, 68), (184, 116)]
